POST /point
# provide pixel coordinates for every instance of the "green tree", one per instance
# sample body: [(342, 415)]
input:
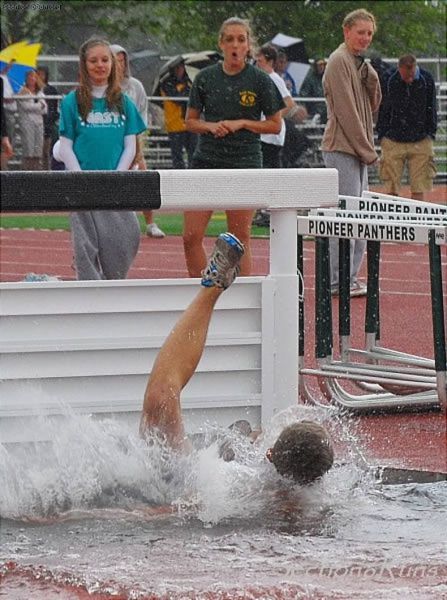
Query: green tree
[(60, 25), (418, 26), (408, 25)]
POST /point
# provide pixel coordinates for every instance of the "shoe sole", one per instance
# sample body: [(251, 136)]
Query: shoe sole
[(352, 293), (357, 293), (228, 239)]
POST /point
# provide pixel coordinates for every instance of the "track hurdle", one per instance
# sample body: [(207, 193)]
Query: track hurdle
[(400, 209), (404, 386), (93, 343)]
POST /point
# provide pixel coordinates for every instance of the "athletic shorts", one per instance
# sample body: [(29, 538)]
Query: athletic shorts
[(198, 163)]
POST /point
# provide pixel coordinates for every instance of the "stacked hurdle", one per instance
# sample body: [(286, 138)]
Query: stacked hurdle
[(376, 218)]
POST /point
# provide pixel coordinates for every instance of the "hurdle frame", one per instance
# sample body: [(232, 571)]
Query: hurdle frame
[(408, 387)]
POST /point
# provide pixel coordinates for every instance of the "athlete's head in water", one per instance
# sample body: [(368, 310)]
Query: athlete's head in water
[(302, 452)]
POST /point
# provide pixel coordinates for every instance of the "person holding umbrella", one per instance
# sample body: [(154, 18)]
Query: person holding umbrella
[(31, 113), (16, 61), (231, 96), (177, 85)]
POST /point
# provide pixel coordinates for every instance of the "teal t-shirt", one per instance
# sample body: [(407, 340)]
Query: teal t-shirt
[(218, 97), (99, 142)]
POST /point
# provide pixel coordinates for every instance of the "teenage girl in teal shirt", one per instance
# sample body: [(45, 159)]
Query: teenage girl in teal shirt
[(98, 129)]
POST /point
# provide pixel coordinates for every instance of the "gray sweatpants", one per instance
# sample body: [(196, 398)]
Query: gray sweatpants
[(105, 243), (352, 180)]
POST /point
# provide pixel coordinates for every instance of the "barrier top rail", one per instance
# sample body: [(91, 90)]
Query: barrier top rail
[(209, 189)]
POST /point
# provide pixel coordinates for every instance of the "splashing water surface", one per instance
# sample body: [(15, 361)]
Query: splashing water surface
[(99, 509)]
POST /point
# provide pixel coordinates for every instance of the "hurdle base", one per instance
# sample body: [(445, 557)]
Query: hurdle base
[(396, 476)]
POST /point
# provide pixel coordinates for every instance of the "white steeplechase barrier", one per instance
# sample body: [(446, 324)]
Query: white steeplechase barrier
[(89, 346)]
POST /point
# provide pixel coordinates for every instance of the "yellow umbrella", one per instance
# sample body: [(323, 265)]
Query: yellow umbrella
[(23, 55), (9, 53)]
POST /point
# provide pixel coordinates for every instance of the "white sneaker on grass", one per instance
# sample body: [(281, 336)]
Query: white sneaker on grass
[(153, 230)]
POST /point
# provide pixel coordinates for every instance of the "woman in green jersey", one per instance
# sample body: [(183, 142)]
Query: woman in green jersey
[(225, 107)]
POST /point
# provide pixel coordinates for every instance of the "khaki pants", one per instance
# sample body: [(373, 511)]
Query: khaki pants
[(421, 167)]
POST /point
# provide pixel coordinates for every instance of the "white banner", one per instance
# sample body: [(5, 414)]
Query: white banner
[(382, 203), (385, 231)]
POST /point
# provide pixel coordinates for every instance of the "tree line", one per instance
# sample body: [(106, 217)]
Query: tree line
[(417, 26)]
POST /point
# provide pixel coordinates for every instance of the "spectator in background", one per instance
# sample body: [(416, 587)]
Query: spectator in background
[(383, 69), (6, 149), (272, 143), (231, 96), (295, 142), (136, 92), (31, 123), (407, 127), (352, 91), (178, 85), (50, 119), (312, 87), (281, 68), (98, 131), (9, 104)]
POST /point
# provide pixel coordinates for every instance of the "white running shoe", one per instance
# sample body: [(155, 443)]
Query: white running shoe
[(153, 230), (358, 289)]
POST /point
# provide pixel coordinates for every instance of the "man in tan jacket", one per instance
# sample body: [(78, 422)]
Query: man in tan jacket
[(352, 92)]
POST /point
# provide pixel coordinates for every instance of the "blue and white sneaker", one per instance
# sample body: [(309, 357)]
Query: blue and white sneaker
[(223, 265), (37, 277)]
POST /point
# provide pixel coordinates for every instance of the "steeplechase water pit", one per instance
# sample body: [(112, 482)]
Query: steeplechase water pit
[(85, 512), (89, 508)]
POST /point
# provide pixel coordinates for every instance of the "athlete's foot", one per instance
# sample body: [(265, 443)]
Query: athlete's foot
[(224, 263)]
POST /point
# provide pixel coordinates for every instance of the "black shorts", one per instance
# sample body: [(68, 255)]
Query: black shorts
[(199, 163)]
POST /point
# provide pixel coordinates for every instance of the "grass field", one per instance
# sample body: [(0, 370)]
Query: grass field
[(171, 224)]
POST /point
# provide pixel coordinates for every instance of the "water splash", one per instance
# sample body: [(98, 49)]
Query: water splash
[(91, 463), (227, 535)]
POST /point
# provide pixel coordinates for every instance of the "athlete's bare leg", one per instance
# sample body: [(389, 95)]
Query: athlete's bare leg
[(174, 367), (180, 354)]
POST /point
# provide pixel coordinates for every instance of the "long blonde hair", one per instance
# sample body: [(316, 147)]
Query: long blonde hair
[(114, 96)]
